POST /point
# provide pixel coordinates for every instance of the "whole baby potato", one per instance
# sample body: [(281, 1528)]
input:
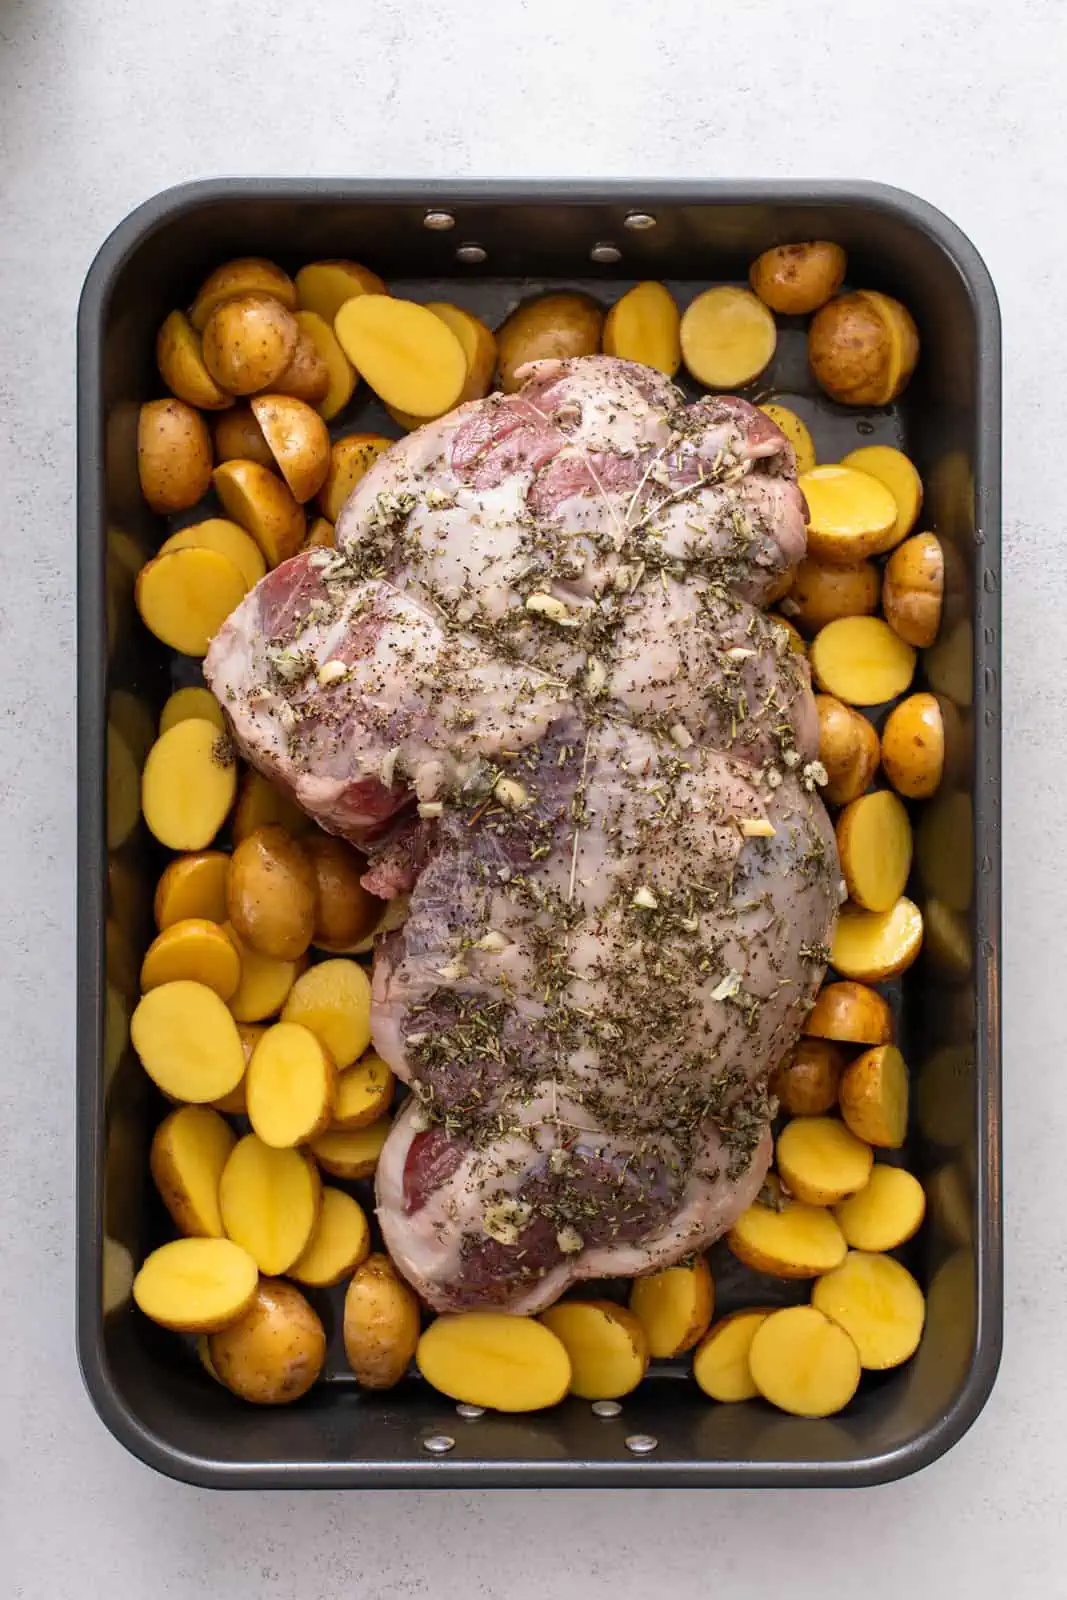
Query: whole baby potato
[(274, 1353), (794, 279), (270, 893), (345, 912), (249, 342), (848, 749), (555, 325), (862, 348), (381, 1324), (173, 455)]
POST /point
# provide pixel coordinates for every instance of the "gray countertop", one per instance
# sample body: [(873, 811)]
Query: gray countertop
[(103, 104)]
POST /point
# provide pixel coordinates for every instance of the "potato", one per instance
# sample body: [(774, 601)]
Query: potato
[(265, 982), (645, 326), (264, 506), (196, 949), (874, 844), (274, 1353), (851, 515), (350, 459), (289, 1086), (674, 1306), (796, 643), (189, 1150), (878, 1304), (805, 1083), (861, 661), (323, 286), (551, 327), (850, 1012), (794, 279), (786, 1238), (822, 593), (803, 1363), (410, 358), (188, 785), (848, 749), (863, 348), (249, 342), (821, 1161), (322, 535), (270, 893), (345, 912), (720, 1361), (192, 886), (298, 440), (307, 377), (270, 1202), (728, 337), (235, 1103), (340, 373), (187, 1042), (186, 703), (181, 365), (479, 347), (913, 589), (351, 1153), (339, 1244), (874, 945), (261, 803), (364, 1092), (173, 455), (196, 1285), (185, 595), (949, 949), (606, 1345), (900, 477), (239, 437), (504, 1363), (886, 1213), (381, 1324), (333, 1000), (796, 431), (244, 275), (874, 1097), (913, 746), (218, 533)]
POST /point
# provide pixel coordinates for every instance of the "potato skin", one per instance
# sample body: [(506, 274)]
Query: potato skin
[(173, 455), (850, 1012), (913, 746), (381, 1324), (848, 749), (821, 593), (806, 1082), (306, 377), (243, 275), (298, 439), (913, 589), (239, 437), (345, 912), (181, 365), (862, 348), (274, 1353), (794, 279), (270, 893), (555, 325), (249, 342)]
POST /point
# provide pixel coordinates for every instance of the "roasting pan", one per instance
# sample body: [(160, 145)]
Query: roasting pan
[(484, 244)]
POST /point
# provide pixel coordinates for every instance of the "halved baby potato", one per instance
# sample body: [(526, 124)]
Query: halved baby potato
[(274, 1353), (189, 782), (823, 592), (323, 287), (185, 595), (851, 515), (548, 327), (900, 477), (364, 1092), (913, 589), (196, 949), (298, 440), (351, 1153), (848, 749), (261, 803), (239, 437), (875, 846), (339, 1244), (173, 455), (879, 1305), (264, 506), (850, 1012), (804, 1363), (231, 541), (787, 1238), (410, 358), (913, 746), (307, 377), (269, 1200), (728, 337), (341, 373), (194, 702), (333, 1000), (820, 1160), (484, 1358), (861, 661), (381, 1324), (873, 945), (345, 912), (270, 893), (863, 348), (289, 1086), (196, 1285), (192, 885), (645, 326), (674, 1306), (189, 1150), (350, 459), (607, 1346), (243, 275), (874, 1097), (235, 1103), (249, 341), (180, 360), (796, 431), (885, 1213), (795, 279), (479, 347), (265, 982), (805, 1083), (720, 1361), (187, 1042)]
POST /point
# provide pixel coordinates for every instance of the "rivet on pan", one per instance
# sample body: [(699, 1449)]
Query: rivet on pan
[(439, 221), (605, 254), (472, 253), (639, 221), (641, 1444), (439, 1444), (606, 1408), (468, 1411)]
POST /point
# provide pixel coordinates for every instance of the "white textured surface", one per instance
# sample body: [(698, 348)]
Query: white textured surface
[(101, 105)]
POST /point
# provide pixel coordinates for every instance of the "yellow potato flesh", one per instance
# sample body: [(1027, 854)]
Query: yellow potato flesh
[(674, 1306), (225, 537), (850, 514), (803, 1363), (505, 1363), (180, 360), (340, 1242), (407, 355), (351, 1152), (874, 843), (324, 286), (850, 1012), (193, 886), (645, 326), (187, 1042), (321, 535), (479, 347), (289, 1086), (879, 1305), (364, 1093), (892, 468), (872, 945), (350, 459), (260, 804), (821, 1160), (720, 1363), (873, 1096), (269, 1201), (188, 785), (886, 1212), (333, 1000), (342, 374), (796, 431), (185, 595), (196, 1285), (861, 661), (606, 1345), (265, 982), (195, 949), (728, 336), (264, 506), (186, 703), (297, 438), (796, 1241), (190, 1148)]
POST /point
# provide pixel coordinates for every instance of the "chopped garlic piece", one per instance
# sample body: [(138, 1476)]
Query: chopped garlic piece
[(814, 774), (559, 1160), (569, 1241), (757, 828), (453, 970), (431, 808), (727, 987), (494, 942), (506, 1220), (740, 652), (681, 736), (644, 898), (511, 793), (388, 766), (546, 605), (596, 675), (332, 672)]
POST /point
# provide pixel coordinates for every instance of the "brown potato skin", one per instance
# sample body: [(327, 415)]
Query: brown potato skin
[(554, 325), (913, 589), (853, 353), (850, 1012), (848, 749), (181, 365), (270, 893), (239, 437), (913, 746), (795, 279), (821, 593), (307, 377), (249, 342), (805, 1083), (274, 1353), (345, 912), (173, 455), (381, 1324), (243, 275), (299, 440)]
